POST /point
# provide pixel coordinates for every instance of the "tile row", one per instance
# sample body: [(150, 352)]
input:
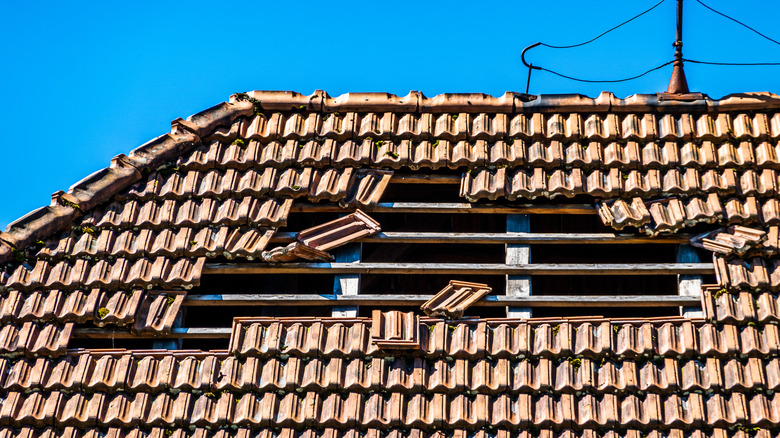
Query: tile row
[(754, 273), (147, 311), (207, 373), (388, 410), (131, 244), (348, 185), (314, 432), (117, 307), (740, 307), (533, 183), (157, 214), (504, 339), (442, 153), (672, 214), (103, 273), (461, 126), (33, 339)]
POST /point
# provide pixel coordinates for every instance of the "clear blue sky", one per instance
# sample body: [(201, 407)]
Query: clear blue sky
[(82, 82)]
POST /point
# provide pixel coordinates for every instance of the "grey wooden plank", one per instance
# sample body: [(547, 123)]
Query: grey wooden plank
[(462, 268), (417, 299), (518, 254), (509, 238), (347, 284), (689, 285)]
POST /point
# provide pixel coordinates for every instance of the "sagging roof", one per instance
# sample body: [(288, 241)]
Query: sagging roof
[(121, 248)]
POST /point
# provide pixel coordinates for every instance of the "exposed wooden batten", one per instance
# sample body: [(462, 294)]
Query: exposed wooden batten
[(389, 299), (176, 333), (507, 238), (425, 179), (453, 207), (462, 268)]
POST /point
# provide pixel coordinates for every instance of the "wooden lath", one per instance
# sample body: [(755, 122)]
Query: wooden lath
[(452, 207), (462, 268), (391, 299), (509, 238)]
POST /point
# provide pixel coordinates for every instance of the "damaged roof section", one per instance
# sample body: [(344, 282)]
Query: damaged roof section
[(669, 215), (225, 180), (313, 243)]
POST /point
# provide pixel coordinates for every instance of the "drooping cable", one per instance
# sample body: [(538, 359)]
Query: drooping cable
[(533, 67), (747, 64), (740, 23), (605, 32)]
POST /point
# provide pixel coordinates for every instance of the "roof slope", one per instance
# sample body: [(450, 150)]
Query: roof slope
[(122, 246)]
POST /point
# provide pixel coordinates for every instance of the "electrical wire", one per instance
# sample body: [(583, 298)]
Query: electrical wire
[(534, 67), (740, 23), (591, 81), (748, 64), (605, 32)]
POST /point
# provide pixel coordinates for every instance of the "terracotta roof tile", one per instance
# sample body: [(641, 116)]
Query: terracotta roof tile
[(741, 307), (733, 240), (473, 340), (454, 409), (753, 273), (33, 339), (295, 251), (339, 231), (455, 298), (395, 330), (620, 213), (492, 377)]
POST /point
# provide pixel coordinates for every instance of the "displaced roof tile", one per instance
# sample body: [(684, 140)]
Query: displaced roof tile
[(733, 240), (339, 231), (455, 298), (295, 251)]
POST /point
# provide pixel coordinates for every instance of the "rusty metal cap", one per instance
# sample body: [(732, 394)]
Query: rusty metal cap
[(678, 84)]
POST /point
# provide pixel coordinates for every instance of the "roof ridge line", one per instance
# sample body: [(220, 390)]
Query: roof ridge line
[(123, 171), (510, 101)]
